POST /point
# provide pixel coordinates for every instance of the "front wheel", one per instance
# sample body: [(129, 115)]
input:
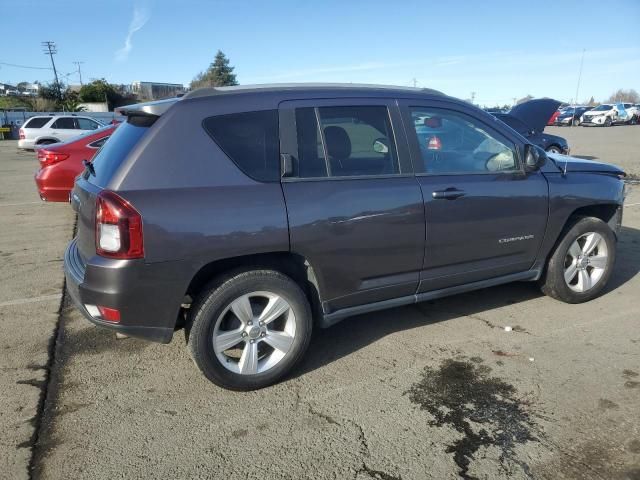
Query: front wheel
[(581, 264), (554, 149), (607, 122), (249, 329)]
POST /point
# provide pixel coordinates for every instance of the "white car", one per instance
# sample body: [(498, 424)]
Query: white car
[(633, 111), (39, 131), (606, 115)]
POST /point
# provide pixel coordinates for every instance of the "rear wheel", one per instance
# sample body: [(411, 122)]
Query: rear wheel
[(581, 264), (576, 121), (249, 329)]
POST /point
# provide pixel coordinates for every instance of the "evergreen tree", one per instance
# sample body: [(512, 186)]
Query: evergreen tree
[(219, 74)]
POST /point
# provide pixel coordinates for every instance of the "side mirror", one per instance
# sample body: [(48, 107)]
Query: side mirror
[(380, 145), (534, 157)]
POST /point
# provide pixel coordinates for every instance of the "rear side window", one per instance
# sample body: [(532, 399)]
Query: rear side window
[(98, 143), (250, 140), (86, 124), (345, 142), (113, 152), (64, 123), (36, 122)]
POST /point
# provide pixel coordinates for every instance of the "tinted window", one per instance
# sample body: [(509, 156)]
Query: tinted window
[(113, 153), (98, 143), (64, 123), (86, 124), (36, 122), (250, 140), (345, 141), (452, 142)]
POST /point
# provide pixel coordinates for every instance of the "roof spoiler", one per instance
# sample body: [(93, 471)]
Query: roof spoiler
[(154, 109)]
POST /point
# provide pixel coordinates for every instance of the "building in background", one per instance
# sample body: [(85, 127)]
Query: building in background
[(155, 90), (6, 89)]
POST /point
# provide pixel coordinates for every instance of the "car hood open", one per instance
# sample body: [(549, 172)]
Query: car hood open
[(535, 113), (573, 164)]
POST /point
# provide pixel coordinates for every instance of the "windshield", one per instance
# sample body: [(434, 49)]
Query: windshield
[(602, 108)]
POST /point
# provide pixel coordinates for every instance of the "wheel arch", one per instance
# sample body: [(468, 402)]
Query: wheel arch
[(294, 266)]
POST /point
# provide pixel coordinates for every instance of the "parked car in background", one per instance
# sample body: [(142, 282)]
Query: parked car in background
[(61, 163), (50, 129), (571, 116), (633, 111), (529, 120), (605, 115), (252, 215)]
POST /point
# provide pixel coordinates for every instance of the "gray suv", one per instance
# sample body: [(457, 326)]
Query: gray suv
[(251, 215)]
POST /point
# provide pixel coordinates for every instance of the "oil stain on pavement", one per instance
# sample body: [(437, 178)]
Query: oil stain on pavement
[(485, 410)]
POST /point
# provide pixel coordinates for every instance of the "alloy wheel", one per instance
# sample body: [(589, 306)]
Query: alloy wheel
[(585, 262), (254, 333)]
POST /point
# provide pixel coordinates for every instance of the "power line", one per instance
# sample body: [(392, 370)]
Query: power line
[(50, 49), (24, 66)]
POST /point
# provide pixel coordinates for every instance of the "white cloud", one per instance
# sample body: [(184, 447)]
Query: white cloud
[(140, 18)]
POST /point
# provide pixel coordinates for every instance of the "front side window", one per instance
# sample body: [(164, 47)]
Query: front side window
[(345, 142), (452, 142), (65, 123), (86, 124), (250, 140)]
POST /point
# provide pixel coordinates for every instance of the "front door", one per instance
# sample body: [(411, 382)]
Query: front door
[(485, 215), (354, 206)]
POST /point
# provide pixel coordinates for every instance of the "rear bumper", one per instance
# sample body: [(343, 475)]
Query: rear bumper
[(26, 144), (148, 306), (49, 193)]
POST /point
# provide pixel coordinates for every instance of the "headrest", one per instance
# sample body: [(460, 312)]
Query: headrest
[(433, 122), (338, 142)]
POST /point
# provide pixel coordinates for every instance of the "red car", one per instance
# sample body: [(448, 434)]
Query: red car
[(61, 163), (553, 117)]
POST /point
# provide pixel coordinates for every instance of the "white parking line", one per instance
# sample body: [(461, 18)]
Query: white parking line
[(631, 204), (17, 204), (22, 301)]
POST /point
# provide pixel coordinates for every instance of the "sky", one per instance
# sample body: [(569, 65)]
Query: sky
[(499, 50)]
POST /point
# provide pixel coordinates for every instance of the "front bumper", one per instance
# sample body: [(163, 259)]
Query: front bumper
[(149, 309), (599, 120)]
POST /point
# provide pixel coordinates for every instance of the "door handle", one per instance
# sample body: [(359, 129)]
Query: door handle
[(448, 194)]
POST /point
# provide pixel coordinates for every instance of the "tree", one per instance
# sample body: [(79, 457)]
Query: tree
[(52, 91), (622, 95), (98, 91), (71, 103), (219, 74), (22, 86)]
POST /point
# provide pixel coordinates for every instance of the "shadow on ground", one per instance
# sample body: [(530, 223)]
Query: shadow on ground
[(355, 333)]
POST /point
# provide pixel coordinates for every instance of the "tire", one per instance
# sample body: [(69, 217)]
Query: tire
[(250, 293), (566, 260), (607, 122), (554, 149), (576, 122)]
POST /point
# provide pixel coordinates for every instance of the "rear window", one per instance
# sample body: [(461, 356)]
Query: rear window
[(36, 122), (113, 152), (250, 140)]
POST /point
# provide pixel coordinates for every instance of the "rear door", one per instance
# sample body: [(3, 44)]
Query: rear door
[(105, 164), (65, 128), (485, 215), (354, 207)]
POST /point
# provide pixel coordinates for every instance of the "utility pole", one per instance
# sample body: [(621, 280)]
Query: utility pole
[(579, 76), (473, 97), (415, 83), (50, 49), (79, 71)]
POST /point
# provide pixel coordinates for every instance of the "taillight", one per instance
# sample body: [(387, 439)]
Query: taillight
[(118, 227), (21, 134), (47, 158)]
